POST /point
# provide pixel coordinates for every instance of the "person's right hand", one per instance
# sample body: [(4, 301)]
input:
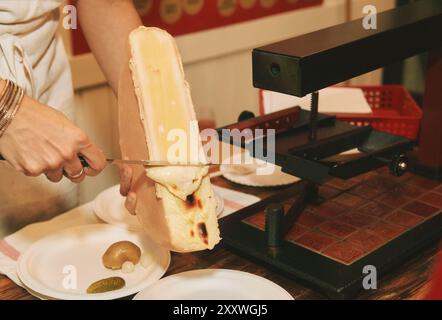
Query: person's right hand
[(41, 140)]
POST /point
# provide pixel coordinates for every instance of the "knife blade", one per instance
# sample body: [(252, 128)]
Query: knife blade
[(144, 163), (153, 163)]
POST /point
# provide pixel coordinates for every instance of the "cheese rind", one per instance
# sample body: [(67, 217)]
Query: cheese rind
[(184, 195)]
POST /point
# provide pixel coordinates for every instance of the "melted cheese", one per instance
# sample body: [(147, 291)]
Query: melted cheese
[(165, 106), (164, 94), (181, 182)]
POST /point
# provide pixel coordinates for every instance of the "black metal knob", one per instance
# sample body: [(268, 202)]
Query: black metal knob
[(274, 224), (399, 165)]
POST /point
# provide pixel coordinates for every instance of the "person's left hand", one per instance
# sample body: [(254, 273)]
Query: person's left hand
[(126, 190)]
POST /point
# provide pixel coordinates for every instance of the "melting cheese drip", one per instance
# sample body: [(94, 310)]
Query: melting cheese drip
[(180, 181)]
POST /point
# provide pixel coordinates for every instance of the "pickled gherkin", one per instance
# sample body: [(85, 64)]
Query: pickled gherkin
[(105, 285)]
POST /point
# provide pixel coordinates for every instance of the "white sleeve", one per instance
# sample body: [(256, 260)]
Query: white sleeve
[(18, 11), (14, 64)]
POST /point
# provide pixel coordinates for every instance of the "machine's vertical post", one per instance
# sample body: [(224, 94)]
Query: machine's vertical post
[(274, 224), (430, 145), (312, 193), (314, 116)]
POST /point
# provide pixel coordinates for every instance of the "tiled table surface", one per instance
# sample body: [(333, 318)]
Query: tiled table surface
[(362, 214), (417, 198)]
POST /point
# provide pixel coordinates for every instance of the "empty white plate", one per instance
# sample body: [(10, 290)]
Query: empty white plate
[(277, 178), (214, 284), (64, 264), (109, 207)]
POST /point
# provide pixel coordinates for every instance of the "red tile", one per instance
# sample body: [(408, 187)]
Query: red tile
[(337, 229), (380, 183), (349, 200), (404, 178), (421, 209), (327, 192), (368, 175), (328, 209), (357, 220), (432, 198), (344, 252), (393, 200), (309, 219), (296, 232), (257, 220), (386, 230), (315, 241), (367, 241), (365, 191), (438, 189), (409, 190), (342, 184), (404, 218), (385, 171), (374, 209), (425, 183)]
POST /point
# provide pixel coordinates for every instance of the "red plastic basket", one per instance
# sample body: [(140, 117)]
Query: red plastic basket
[(394, 111)]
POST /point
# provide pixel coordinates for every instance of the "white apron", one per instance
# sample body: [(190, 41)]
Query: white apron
[(32, 55)]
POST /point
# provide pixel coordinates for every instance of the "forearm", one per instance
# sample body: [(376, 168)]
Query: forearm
[(106, 25)]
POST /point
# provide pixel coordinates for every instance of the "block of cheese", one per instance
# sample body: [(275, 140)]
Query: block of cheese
[(176, 205)]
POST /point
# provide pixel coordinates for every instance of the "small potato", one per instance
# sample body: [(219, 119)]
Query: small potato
[(127, 267), (119, 253)]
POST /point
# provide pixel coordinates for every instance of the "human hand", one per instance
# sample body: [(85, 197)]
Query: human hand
[(41, 140), (126, 190)]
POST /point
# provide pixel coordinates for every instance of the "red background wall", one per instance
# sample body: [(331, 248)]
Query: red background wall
[(186, 16)]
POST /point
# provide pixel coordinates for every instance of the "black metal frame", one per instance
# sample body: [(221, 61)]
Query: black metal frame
[(307, 64), (300, 155), (334, 279), (313, 61)]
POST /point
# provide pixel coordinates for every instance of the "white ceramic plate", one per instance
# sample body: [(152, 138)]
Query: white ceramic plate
[(50, 266), (214, 284), (109, 207), (277, 178)]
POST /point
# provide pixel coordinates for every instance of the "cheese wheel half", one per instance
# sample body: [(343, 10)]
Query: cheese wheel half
[(175, 205)]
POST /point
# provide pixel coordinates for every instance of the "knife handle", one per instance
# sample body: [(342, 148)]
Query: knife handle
[(83, 161)]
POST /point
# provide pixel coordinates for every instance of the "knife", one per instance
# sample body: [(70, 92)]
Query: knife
[(153, 163), (144, 163)]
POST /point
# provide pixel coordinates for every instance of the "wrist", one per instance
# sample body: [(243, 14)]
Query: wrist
[(11, 96)]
